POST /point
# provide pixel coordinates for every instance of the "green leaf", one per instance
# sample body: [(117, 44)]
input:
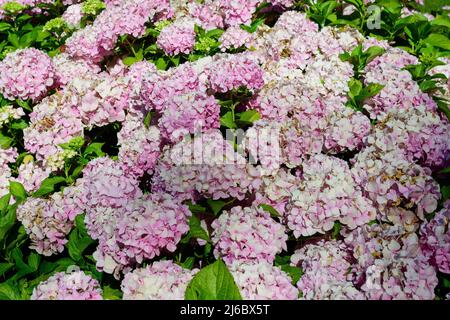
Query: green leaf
[(370, 91), (446, 283), (33, 261), (441, 21), (48, 186), (19, 124), (79, 240), (81, 226), (109, 293), (5, 142), (148, 119), (445, 192), (24, 269), (227, 120), (4, 26), (28, 38), (74, 144), (4, 267), (196, 230), (216, 205), (128, 61), (336, 230), (446, 170), (249, 116), (438, 40), (9, 292), (428, 85), (188, 263), (94, 148), (4, 202), (7, 221), (355, 87), (273, 212), (196, 208), (214, 33), (161, 64), (17, 191), (295, 273), (14, 40), (372, 53), (24, 105), (213, 282)]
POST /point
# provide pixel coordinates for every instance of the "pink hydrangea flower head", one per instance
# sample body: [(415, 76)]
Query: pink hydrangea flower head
[(68, 286), (177, 38), (162, 280), (247, 234), (262, 281), (26, 74)]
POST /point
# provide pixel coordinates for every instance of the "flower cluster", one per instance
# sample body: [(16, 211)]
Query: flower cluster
[(435, 240), (49, 221), (6, 156), (68, 286), (317, 171), (26, 74), (247, 234), (324, 193), (262, 281), (163, 280), (326, 266), (178, 37), (205, 166), (147, 226)]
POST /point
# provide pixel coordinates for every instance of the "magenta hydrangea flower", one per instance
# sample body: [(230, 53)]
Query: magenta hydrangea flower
[(400, 92), (66, 69), (421, 135), (262, 281), (435, 239), (73, 14), (207, 166), (390, 264), (230, 72), (162, 280), (247, 235), (68, 286), (7, 156), (235, 38), (177, 38), (49, 221), (139, 146), (206, 14), (26, 74), (326, 266), (98, 99), (188, 114), (31, 175), (276, 190), (389, 180), (325, 193), (96, 41), (53, 122), (147, 226), (238, 12), (104, 188)]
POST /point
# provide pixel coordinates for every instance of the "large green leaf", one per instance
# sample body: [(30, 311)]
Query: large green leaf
[(17, 191), (48, 186), (9, 292), (213, 282), (438, 40)]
